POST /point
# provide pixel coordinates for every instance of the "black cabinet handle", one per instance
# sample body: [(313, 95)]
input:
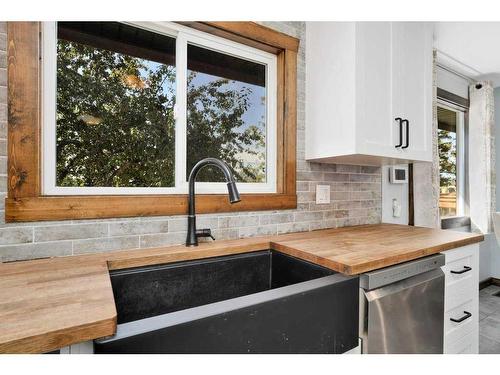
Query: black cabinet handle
[(407, 123), (466, 316), (466, 269), (400, 131)]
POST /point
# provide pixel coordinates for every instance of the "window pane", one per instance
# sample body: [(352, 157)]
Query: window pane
[(115, 97), (226, 114), (447, 145)]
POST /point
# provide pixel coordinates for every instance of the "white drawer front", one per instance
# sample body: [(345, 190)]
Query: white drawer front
[(459, 269), (459, 292), (454, 331)]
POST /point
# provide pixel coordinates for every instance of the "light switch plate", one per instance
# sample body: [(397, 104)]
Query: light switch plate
[(322, 194)]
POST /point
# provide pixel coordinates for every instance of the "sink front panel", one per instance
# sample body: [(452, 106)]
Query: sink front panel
[(149, 291)]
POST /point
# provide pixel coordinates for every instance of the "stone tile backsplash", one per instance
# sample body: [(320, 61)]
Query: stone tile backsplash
[(355, 199)]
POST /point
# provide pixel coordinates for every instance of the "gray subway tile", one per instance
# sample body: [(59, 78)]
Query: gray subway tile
[(306, 196), (16, 235), (3, 90), (162, 239), (139, 227), (276, 218), (370, 169), (70, 232), (339, 195), (309, 176), (3, 129), (223, 234), (320, 167), (308, 216), (35, 250), (358, 212), (348, 168), (3, 165), (364, 178), (337, 214), (293, 227), (302, 186), (238, 221), (337, 177), (262, 230), (98, 245)]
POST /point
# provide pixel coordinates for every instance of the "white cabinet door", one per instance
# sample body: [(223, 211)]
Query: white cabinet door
[(412, 87), (359, 78), (374, 123)]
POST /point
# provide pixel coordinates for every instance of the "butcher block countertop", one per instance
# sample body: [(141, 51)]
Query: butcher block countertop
[(47, 304)]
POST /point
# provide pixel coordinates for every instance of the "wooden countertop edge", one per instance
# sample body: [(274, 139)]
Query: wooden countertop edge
[(304, 255), (60, 338), (182, 256)]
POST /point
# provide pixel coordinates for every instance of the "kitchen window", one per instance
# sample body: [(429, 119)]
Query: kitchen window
[(111, 126), (452, 170), (130, 108)]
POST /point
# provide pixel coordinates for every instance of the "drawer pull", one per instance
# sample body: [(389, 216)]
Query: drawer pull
[(466, 316), (466, 269)]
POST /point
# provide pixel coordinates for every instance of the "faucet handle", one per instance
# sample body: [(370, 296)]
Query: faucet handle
[(205, 233)]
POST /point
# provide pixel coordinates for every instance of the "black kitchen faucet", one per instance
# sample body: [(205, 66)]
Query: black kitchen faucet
[(234, 197)]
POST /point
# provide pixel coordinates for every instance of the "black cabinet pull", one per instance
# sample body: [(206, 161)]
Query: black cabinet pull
[(407, 123), (400, 120), (466, 316), (466, 269)]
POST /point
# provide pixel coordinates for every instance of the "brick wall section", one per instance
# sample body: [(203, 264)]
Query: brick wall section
[(355, 199)]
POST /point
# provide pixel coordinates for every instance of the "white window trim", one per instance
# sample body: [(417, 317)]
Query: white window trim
[(183, 35), (461, 168)]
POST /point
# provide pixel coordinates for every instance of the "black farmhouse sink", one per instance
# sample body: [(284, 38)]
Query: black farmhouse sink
[(262, 302)]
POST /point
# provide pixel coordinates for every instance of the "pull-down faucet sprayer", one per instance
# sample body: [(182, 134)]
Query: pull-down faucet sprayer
[(234, 197)]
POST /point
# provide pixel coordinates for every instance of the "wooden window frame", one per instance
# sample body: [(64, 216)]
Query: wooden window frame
[(25, 202)]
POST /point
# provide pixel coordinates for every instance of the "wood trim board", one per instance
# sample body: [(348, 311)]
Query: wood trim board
[(88, 207)]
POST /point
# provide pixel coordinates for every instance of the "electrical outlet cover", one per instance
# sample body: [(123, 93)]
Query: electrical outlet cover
[(322, 194)]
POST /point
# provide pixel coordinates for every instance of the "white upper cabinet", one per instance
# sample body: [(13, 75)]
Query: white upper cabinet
[(360, 78)]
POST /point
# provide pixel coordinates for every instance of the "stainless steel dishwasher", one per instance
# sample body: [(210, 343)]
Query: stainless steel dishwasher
[(402, 308)]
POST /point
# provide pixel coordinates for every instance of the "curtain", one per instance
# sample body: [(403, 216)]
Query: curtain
[(481, 156)]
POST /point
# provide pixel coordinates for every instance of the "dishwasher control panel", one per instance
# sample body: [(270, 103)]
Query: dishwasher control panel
[(392, 274)]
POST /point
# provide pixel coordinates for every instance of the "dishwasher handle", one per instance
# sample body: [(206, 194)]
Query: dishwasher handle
[(466, 316)]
